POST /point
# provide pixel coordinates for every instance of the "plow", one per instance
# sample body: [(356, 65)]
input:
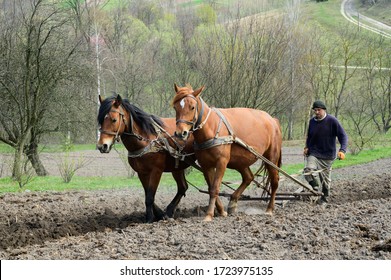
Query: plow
[(304, 191)]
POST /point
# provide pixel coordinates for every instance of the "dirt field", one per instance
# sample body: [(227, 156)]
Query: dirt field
[(110, 224)]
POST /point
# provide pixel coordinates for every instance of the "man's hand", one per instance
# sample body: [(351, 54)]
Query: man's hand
[(305, 152), (341, 155)]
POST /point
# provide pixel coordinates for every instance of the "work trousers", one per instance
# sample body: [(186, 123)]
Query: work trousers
[(324, 177)]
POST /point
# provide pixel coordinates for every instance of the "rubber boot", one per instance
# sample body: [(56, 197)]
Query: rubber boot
[(314, 184), (324, 197)]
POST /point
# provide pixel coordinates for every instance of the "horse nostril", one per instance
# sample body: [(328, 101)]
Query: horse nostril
[(105, 147)]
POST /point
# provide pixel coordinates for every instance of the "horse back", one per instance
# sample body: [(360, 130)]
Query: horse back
[(253, 125)]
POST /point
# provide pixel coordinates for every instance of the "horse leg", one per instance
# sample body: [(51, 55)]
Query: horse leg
[(150, 183), (182, 187), (214, 189), (274, 178), (209, 175), (247, 178)]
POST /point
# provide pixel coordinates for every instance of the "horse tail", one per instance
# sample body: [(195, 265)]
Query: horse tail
[(280, 158), (280, 137)]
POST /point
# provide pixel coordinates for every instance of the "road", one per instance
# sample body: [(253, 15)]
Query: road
[(349, 12)]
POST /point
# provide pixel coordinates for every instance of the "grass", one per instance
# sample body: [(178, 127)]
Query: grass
[(327, 17), (365, 156), (6, 149), (326, 14), (54, 183), (380, 11)]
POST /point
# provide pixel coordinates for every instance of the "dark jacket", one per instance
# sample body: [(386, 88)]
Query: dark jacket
[(322, 135)]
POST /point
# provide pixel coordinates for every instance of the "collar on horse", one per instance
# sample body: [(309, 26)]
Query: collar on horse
[(217, 140), (197, 124)]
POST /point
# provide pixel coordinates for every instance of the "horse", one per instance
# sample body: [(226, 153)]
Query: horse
[(151, 149), (225, 138)]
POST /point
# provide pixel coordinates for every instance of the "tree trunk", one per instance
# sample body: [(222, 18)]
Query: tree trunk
[(290, 125), (17, 164), (33, 156), (17, 168)]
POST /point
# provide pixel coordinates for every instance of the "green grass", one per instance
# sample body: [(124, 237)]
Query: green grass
[(380, 11), (6, 149), (325, 14), (53, 183), (363, 157)]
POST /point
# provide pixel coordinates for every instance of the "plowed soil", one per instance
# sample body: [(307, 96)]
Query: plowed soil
[(109, 224)]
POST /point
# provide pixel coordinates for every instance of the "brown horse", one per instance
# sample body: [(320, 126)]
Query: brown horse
[(151, 149), (223, 138)]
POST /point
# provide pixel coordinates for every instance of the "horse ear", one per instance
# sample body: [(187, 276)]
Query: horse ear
[(176, 88), (100, 99), (198, 91), (118, 101)]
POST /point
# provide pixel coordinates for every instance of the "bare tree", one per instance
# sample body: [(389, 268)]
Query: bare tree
[(38, 55), (239, 64), (359, 126), (377, 76)]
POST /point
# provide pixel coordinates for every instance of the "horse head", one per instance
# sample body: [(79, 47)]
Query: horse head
[(112, 120), (189, 110)]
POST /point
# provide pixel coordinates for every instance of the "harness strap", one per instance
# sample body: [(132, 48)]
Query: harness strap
[(200, 115), (223, 118), (226, 140), (217, 140), (147, 149), (160, 144)]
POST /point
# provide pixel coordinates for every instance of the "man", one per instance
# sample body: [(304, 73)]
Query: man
[(320, 150)]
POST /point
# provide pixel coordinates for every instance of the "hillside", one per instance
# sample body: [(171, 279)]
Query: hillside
[(380, 11)]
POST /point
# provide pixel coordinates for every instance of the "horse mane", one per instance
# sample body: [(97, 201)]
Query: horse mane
[(144, 120), (183, 91), (104, 109)]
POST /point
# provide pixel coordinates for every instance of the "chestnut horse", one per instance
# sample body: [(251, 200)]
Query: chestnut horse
[(223, 138), (151, 149)]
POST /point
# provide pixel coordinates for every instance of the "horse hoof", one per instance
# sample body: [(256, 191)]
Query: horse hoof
[(208, 218), (232, 207), (269, 212), (232, 210), (223, 214), (169, 215)]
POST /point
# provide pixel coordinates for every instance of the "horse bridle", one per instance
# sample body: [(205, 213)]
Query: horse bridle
[(122, 118), (196, 122)]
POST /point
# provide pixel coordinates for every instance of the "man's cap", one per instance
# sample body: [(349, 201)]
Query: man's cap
[(319, 104)]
